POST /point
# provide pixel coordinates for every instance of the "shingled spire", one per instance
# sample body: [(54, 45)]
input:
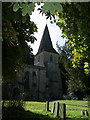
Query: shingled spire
[(46, 44)]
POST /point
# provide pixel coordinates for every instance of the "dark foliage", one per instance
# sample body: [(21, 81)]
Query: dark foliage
[(16, 32)]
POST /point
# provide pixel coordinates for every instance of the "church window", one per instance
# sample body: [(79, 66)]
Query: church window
[(47, 86), (34, 79), (34, 85), (46, 73), (26, 80), (34, 73), (51, 58), (38, 58)]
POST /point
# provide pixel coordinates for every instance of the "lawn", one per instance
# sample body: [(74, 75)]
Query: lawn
[(73, 108), (36, 110)]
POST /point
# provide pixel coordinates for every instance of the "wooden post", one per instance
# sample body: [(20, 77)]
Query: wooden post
[(62, 111), (47, 106), (56, 109), (53, 107)]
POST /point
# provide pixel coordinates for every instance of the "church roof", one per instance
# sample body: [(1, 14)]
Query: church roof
[(46, 44)]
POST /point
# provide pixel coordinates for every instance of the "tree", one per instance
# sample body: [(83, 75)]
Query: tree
[(29, 57), (74, 23), (17, 30), (74, 80)]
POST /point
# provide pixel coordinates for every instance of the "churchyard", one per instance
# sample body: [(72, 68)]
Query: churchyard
[(47, 74), (36, 110)]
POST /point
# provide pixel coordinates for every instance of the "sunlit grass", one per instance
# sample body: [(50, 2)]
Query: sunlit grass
[(37, 107), (73, 109)]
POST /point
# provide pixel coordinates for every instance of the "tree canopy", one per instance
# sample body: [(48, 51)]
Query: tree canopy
[(17, 30), (74, 80), (74, 23)]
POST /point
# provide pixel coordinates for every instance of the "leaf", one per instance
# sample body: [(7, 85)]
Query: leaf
[(24, 12), (52, 7), (24, 9), (86, 65), (16, 6), (87, 71), (31, 7), (38, 3), (27, 8)]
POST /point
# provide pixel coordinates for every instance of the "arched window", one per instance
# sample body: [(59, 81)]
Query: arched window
[(46, 73), (34, 73), (34, 79), (51, 58), (26, 80), (38, 58)]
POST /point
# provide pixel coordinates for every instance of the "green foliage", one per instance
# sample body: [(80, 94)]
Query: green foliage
[(17, 30), (27, 7), (74, 80), (13, 103), (74, 23), (52, 7), (29, 57), (16, 7)]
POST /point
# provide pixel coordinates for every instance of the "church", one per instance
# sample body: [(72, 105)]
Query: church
[(42, 80)]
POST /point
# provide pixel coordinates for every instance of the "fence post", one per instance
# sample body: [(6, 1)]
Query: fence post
[(53, 107), (47, 106), (57, 109)]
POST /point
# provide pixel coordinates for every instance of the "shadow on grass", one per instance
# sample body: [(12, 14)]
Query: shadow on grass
[(77, 119), (18, 113)]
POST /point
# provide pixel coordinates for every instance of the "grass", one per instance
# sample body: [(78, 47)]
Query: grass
[(74, 107), (36, 110)]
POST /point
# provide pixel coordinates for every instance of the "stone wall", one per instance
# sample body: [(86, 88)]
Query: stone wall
[(37, 81), (43, 80), (44, 57)]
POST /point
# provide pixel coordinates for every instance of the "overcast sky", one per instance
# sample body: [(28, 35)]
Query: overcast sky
[(54, 31)]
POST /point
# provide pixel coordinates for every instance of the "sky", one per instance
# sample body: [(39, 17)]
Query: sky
[(55, 32)]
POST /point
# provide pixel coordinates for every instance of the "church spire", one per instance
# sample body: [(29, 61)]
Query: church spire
[(46, 44)]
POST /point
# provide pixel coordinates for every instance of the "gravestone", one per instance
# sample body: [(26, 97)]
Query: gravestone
[(56, 113), (53, 107), (82, 112), (62, 111), (59, 110), (47, 106), (86, 113)]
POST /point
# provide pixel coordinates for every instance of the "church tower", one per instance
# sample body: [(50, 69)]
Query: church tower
[(46, 53), (48, 57)]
